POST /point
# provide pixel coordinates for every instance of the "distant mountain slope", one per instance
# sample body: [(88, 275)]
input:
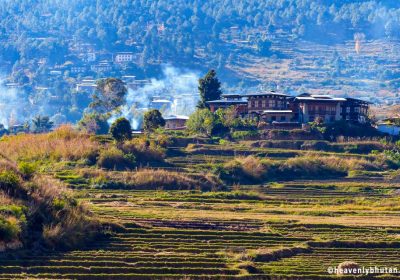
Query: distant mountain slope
[(49, 47)]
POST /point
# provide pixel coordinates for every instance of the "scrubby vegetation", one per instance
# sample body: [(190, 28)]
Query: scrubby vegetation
[(41, 213), (178, 206), (252, 169)]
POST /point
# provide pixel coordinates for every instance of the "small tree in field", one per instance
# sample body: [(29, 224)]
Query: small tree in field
[(153, 120), (121, 130)]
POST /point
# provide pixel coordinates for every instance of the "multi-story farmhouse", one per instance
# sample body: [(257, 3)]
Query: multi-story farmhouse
[(228, 100), (275, 107)]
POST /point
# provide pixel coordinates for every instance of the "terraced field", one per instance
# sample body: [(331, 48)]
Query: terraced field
[(233, 234)]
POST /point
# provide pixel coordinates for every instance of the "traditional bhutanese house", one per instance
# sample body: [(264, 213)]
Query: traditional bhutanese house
[(175, 122), (270, 106), (309, 107), (228, 100), (355, 110)]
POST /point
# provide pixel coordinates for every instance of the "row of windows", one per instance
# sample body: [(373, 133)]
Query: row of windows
[(275, 118), (322, 108), (331, 118), (356, 110), (267, 104)]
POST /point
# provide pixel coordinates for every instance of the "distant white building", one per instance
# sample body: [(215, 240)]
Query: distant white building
[(88, 56), (124, 57), (77, 69), (56, 73), (86, 86), (103, 66)]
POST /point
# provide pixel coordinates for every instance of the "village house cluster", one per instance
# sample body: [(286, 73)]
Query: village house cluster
[(285, 110)]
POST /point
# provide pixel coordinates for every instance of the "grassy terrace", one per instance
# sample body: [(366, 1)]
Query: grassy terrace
[(224, 234)]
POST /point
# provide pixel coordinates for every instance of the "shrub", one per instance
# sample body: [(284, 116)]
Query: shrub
[(60, 220), (121, 130), (295, 134), (316, 146), (153, 179), (202, 122), (347, 267), (10, 183), (94, 124), (245, 135), (308, 166), (245, 170), (27, 169), (252, 167), (153, 120), (115, 159), (145, 150), (9, 229)]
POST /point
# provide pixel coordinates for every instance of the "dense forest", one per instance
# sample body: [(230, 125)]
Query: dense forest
[(165, 29)]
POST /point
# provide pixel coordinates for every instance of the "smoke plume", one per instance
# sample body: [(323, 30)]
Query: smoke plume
[(174, 94)]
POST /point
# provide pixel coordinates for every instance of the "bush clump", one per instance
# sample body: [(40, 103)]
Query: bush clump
[(251, 169), (146, 179), (248, 169), (115, 159), (121, 130), (348, 267), (9, 229), (146, 150)]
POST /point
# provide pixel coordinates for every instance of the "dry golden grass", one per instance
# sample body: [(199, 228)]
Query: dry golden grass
[(154, 179), (252, 166), (5, 199), (63, 144)]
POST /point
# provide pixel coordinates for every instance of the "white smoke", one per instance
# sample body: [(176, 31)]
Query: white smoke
[(13, 106), (174, 94), (17, 107)]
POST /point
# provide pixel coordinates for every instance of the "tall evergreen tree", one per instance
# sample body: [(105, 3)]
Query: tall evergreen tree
[(209, 89)]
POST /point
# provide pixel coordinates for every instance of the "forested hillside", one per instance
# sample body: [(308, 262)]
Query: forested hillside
[(48, 47)]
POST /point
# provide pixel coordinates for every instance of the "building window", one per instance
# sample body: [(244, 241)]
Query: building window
[(273, 118), (271, 103), (283, 118)]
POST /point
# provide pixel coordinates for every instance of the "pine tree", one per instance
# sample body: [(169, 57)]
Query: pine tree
[(209, 89)]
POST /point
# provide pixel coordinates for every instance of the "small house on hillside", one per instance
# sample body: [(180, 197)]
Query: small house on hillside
[(176, 122)]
